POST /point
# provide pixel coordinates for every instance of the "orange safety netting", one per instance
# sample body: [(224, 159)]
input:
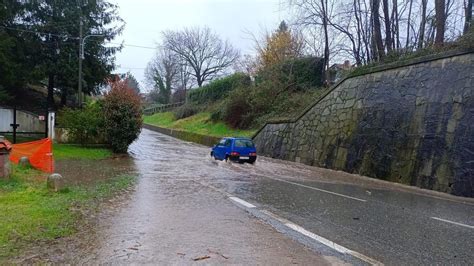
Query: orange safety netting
[(40, 154)]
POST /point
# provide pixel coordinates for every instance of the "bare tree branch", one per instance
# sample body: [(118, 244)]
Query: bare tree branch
[(205, 53)]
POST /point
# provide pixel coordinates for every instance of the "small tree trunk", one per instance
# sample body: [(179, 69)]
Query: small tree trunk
[(408, 25), (421, 39), (396, 26), (388, 32), (359, 36), (326, 42), (468, 19), (377, 32), (440, 6)]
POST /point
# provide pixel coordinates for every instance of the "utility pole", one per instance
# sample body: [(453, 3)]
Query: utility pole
[(79, 86), (82, 40)]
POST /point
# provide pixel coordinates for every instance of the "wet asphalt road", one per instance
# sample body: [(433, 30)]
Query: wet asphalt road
[(386, 222), (181, 210)]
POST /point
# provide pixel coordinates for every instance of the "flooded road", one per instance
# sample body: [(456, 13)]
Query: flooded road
[(189, 207)]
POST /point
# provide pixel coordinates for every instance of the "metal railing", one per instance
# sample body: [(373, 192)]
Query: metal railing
[(160, 108)]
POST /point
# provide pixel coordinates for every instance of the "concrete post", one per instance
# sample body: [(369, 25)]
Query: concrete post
[(5, 148), (51, 122)]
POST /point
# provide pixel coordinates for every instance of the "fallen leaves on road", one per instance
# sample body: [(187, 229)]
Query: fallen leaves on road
[(218, 253), (202, 258)]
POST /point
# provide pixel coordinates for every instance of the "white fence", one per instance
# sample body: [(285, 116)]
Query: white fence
[(28, 122)]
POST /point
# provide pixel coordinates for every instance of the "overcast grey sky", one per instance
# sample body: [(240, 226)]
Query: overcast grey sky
[(230, 19)]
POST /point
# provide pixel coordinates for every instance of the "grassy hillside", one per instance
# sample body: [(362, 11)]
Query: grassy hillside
[(199, 123), (238, 105)]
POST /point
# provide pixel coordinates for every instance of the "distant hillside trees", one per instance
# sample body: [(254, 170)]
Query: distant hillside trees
[(192, 56), (163, 73)]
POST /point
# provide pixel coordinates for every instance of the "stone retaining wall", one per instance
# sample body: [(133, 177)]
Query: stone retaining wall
[(411, 123)]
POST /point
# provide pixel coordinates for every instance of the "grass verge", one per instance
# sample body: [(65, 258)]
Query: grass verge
[(70, 151), (199, 123), (31, 214)]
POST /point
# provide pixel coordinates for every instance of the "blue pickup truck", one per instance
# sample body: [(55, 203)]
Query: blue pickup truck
[(235, 149)]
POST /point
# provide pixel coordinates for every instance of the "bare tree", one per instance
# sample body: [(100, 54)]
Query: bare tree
[(316, 13), (388, 26), (395, 25), (324, 12), (202, 50), (408, 24), (162, 73), (378, 49), (368, 29), (440, 7), (468, 15), (421, 40)]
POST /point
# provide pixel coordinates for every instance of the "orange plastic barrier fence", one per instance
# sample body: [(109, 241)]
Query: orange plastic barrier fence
[(40, 154)]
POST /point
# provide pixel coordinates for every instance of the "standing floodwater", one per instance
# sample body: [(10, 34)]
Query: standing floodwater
[(180, 211)]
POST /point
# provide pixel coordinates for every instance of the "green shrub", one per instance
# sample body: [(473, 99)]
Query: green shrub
[(217, 114), (123, 116), (185, 110), (238, 112), (304, 72), (84, 125), (218, 89)]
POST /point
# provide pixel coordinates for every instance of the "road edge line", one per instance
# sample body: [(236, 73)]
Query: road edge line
[(242, 202), (318, 189), (322, 240), (452, 222), (301, 230)]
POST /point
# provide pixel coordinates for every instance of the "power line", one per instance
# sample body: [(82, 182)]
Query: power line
[(77, 38), (39, 32), (134, 45), (132, 68)]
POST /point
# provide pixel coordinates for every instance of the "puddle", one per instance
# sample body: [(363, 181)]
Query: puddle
[(79, 172)]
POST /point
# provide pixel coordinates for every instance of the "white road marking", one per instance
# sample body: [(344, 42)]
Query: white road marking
[(322, 240), (451, 222), (333, 245), (242, 202), (318, 189), (303, 231)]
